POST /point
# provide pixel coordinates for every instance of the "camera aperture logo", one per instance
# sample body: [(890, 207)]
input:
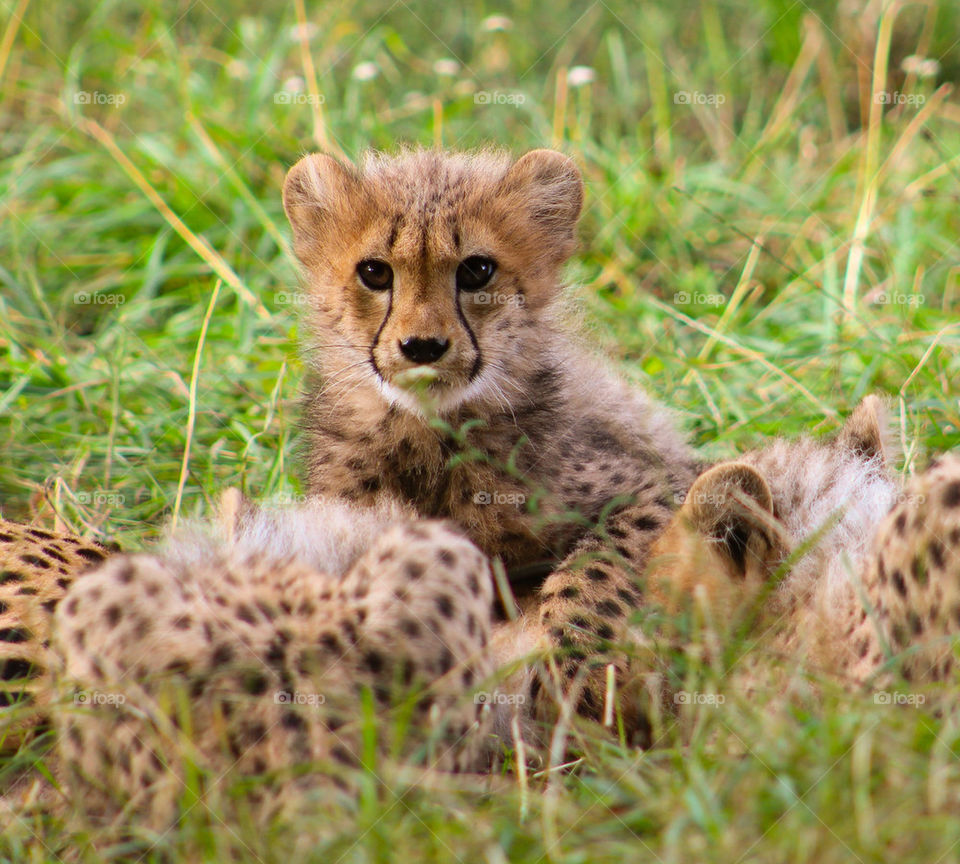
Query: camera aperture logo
[(712, 498), (95, 97), (285, 97), (488, 298), (92, 298), (495, 97), (685, 298), (886, 697), (291, 298), (695, 97), (885, 97), (898, 298), (102, 498)]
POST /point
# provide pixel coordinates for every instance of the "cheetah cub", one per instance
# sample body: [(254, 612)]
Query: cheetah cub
[(258, 649), (36, 569), (438, 274), (442, 376), (876, 593)]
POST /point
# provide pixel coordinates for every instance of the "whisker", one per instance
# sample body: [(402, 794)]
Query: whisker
[(343, 375), (320, 346)]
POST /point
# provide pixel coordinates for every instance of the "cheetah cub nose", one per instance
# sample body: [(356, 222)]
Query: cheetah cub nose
[(424, 350)]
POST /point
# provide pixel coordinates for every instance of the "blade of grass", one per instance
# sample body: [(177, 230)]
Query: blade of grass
[(196, 242), (10, 33), (192, 415), (320, 135), (871, 154), (239, 186)]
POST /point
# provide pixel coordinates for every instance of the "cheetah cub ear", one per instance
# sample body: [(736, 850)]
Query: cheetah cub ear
[(723, 539), (322, 198), (732, 505), (545, 189), (867, 431)]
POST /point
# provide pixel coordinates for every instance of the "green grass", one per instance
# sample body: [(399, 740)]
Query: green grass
[(783, 143)]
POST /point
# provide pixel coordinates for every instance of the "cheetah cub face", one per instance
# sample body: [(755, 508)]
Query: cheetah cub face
[(431, 262)]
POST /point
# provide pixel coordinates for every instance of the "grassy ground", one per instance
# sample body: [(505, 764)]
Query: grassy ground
[(770, 233)]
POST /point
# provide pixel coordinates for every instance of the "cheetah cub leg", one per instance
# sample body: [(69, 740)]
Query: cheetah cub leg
[(252, 666), (712, 569), (584, 608), (586, 605), (712, 560), (912, 578)]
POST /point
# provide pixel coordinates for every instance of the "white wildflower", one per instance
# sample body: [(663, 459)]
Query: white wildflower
[(365, 71), (580, 75), (496, 22)]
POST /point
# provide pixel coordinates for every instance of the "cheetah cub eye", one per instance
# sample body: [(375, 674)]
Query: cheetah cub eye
[(475, 272), (376, 275)]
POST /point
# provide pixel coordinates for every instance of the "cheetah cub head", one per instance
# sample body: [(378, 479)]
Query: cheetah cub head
[(430, 266)]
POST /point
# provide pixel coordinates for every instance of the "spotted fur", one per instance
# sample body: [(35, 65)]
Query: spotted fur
[(36, 568), (875, 598), (532, 452), (328, 599), (247, 660)]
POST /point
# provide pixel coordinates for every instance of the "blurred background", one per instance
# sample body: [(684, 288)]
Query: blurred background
[(770, 230)]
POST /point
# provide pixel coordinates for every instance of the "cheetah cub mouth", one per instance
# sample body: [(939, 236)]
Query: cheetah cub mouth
[(426, 271)]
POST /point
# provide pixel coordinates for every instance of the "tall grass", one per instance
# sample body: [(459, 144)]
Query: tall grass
[(770, 232)]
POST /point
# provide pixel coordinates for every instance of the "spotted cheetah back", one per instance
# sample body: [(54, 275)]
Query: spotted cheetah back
[(913, 577), (253, 650), (36, 568)]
